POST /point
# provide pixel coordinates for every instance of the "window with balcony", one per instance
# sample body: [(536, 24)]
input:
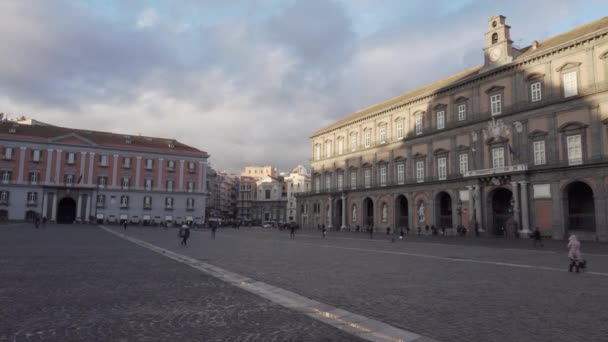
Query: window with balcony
[(189, 203), (401, 173), (419, 124), (441, 119), (575, 150), (539, 152), (8, 153), (382, 134), (420, 171), (148, 183), (70, 158), (318, 151), (125, 182), (383, 175), (340, 179), (126, 162), (368, 138), (4, 197), (68, 179), (169, 185), (327, 149), (102, 181), (35, 157), (34, 177), (328, 182), (462, 112), (101, 201), (498, 157), (442, 168), (399, 129), (147, 202), (464, 163), (353, 142), (124, 201), (536, 91), (168, 202), (353, 180), (149, 164), (318, 184), (7, 176), (171, 165), (570, 83), (191, 166), (190, 186), (367, 177), (340, 146), (496, 104), (32, 198), (103, 160)]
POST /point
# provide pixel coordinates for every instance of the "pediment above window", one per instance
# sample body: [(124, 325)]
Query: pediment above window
[(537, 133), (496, 140), (72, 138), (419, 113), (569, 65), (494, 89), (399, 118), (419, 155), (399, 158), (462, 147), (382, 123), (440, 151), (572, 126), (604, 55), (440, 106), (382, 162), (535, 76), (366, 165), (461, 99), (339, 169)]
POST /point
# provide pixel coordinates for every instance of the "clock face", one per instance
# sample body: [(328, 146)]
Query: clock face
[(495, 54)]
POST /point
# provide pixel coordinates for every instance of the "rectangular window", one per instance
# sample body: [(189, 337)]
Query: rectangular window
[(535, 91), (441, 119), (32, 197), (353, 179), (318, 151), (34, 177), (149, 164), (340, 146), (368, 138), (400, 129), (103, 160), (101, 200), (327, 149), (8, 153), (6, 177), (126, 162), (382, 134), (367, 177), (318, 184), (462, 112), (124, 201), (147, 202), (539, 153), (171, 165), (419, 124), (267, 194), (353, 143), (401, 173), (189, 203), (102, 181), (464, 163), (575, 150), (168, 202), (148, 184), (340, 181), (442, 168), (570, 84), (169, 185), (420, 171), (125, 183), (496, 104), (191, 166), (71, 158), (383, 176), (69, 179), (498, 157), (327, 182), (190, 186), (4, 197), (36, 155)]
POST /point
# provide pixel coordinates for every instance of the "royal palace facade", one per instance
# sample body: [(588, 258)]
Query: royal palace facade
[(502, 148)]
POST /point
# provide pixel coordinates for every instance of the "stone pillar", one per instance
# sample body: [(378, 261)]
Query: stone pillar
[(524, 208), (87, 211), (54, 208), (115, 171), (329, 214), (478, 215), (514, 186), (49, 160), (21, 164), (137, 173), (79, 208), (181, 175), (471, 204), (91, 167), (83, 158), (599, 198), (159, 182), (343, 212), (45, 204), (58, 168), (559, 226)]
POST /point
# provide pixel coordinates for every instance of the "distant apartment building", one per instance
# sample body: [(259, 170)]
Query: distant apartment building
[(73, 175), (298, 181), (259, 172), (271, 202), (222, 194), (246, 198)]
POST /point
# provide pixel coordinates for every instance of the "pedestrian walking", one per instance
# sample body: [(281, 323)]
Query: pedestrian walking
[(407, 230), (401, 234), (388, 230), (538, 239), (426, 229), (213, 229), (574, 253), (184, 233), (124, 224), (43, 221), (419, 230), (443, 230), (37, 222), (292, 231), (371, 232), (324, 231)]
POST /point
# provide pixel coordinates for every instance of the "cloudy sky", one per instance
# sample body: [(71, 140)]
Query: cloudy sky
[(247, 81)]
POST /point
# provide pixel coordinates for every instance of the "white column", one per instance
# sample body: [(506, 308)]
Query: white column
[(343, 212), (115, 171), (91, 166), (160, 173), (45, 204), (181, 175), (524, 208), (21, 165), (49, 160), (83, 159), (54, 213), (58, 167), (137, 172), (78, 208), (87, 211)]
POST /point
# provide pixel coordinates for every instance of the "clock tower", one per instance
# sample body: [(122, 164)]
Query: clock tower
[(498, 49)]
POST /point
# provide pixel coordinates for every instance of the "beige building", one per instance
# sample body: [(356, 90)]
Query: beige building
[(518, 142), (298, 181), (259, 172)]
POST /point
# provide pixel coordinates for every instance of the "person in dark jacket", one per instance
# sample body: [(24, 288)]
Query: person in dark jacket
[(184, 233), (324, 231), (538, 239), (401, 234)]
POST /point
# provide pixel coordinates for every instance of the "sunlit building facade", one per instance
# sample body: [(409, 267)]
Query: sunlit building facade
[(518, 142)]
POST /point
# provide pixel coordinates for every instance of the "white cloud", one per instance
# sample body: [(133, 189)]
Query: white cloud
[(147, 18)]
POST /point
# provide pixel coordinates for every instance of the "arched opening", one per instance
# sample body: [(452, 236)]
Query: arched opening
[(580, 207), (401, 212), (444, 212), (338, 214), (502, 212), (368, 212), (30, 215), (494, 38), (3, 215), (66, 210)]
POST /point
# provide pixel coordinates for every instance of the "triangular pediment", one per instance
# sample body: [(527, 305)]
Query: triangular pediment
[(604, 55), (72, 139), (461, 99), (568, 65), (494, 89), (462, 147), (537, 133)]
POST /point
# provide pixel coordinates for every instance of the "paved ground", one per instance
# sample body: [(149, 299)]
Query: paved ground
[(439, 288), (79, 283)]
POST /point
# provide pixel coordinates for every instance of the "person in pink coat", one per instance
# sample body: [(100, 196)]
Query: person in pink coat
[(574, 253)]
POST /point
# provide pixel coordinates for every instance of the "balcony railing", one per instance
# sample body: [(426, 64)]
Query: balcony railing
[(497, 170)]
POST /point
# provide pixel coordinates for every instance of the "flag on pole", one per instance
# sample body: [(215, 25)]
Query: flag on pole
[(511, 150), (79, 179)]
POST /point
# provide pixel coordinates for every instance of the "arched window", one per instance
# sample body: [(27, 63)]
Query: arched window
[(494, 38)]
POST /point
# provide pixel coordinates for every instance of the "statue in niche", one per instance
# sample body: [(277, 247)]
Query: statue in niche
[(421, 214)]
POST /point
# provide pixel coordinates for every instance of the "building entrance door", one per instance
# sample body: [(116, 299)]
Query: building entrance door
[(501, 211), (66, 210)]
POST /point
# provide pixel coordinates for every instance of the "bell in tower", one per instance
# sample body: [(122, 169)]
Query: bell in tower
[(499, 46)]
